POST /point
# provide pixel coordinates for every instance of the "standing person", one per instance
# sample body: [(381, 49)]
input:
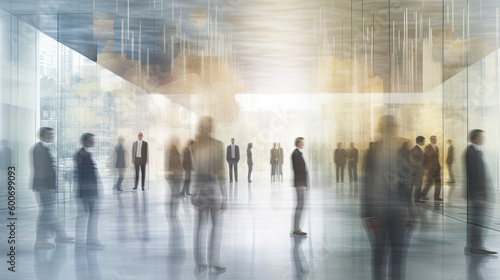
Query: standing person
[(339, 158), (173, 170), (352, 166), (274, 161), (210, 196), (120, 163), (300, 183), (279, 169), (479, 194), (433, 168), (249, 161), (450, 158), (44, 187), (232, 157), (140, 159), (87, 192), (187, 164), (417, 162)]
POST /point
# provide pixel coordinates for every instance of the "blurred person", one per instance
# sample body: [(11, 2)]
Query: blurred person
[(417, 161), (187, 164), (209, 197), (300, 184), (387, 210), (249, 161), (120, 163), (5, 163), (480, 195), (274, 161), (450, 159), (352, 165), (173, 171), (44, 187), (87, 192), (140, 159), (232, 157), (431, 164), (279, 167), (339, 158)]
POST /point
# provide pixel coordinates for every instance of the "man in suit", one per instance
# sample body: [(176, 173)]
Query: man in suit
[(44, 187), (352, 165), (279, 169), (431, 164), (87, 192), (300, 183), (232, 158), (340, 157), (187, 164), (417, 161), (450, 158), (140, 159), (120, 163), (274, 161), (479, 194)]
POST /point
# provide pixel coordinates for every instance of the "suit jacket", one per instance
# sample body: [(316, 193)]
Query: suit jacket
[(417, 160), (44, 174), (249, 157), (275, 156), (477, 175), (120, 156), (340, 156), (187, 159), (299, 169), (173, 163), (353, 156), (86, 174), (236, 153), (431, 162), (450, 158), (144, 152)]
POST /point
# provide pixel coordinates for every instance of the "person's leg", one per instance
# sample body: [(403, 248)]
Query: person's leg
[(199, 238), (42, 231), (137, 167), (236, 171), (143, 174), (337, 171), (93, 221), (428, 184), (249, 173), (398, 238), (81, 221), (437, 186), (121, 176), (355, 172), (215, 240), (300, 206), (350, 172), (342, 169), (187, 179), (230, 170), (417, 185)]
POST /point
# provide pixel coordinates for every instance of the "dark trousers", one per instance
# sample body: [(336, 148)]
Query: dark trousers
[(433, 176), (87, 220), (47, 222), (450, 172), (417, 186), (142, 166), (250, 172), (352, 168), (477, 219), (233, 165), (187, 182), (340, 171)]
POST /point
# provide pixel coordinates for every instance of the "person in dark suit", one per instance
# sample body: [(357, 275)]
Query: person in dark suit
[(173, 169), (275, 155), (249, 161), (387, 211), (232, 158), (450, 159), (352, 165), (339, 158), (87, 192), (209, 197), (480, 195), (279, 167), (417, 162), (431, 164), (300, 183), (187, 164), (140, 159), (44, 187), (120, 163)]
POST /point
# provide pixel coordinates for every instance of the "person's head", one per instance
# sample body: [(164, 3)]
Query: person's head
[(352, 145), (87, 140), (405, 145), (205, 126), (449, 142), (190, 142), (339, 145), (476, 136), (121, 139), (139, 136), (420, 140), (232, 141), (433, 139), (46, 134), (274, 145), (299, 142), (176, 141), (249, 147)]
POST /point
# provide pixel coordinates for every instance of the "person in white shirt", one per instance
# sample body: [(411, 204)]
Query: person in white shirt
[(140, 159), (232, 158)]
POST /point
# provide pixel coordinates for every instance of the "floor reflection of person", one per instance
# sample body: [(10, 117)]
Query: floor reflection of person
[(480, 195), (209, 196), (173, 169), (387, 210), (44, 187), (120, 163), (187, 165), (249, 161), (300, 184), (86, 226)]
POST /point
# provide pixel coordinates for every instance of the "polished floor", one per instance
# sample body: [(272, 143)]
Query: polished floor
[(143, 241)]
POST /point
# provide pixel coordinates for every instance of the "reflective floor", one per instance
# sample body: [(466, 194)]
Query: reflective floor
[(143, 241)]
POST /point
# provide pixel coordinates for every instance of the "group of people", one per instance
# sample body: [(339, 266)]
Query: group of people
[(342, 156)]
